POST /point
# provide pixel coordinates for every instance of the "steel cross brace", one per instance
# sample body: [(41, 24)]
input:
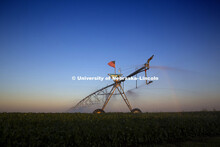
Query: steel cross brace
[(121, 91)]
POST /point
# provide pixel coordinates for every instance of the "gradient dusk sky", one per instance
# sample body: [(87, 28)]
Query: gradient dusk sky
[(43, 43)]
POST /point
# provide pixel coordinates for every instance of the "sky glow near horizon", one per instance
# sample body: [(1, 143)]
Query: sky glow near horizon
[(44, 43)]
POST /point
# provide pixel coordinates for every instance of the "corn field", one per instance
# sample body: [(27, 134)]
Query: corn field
[(110, 129)]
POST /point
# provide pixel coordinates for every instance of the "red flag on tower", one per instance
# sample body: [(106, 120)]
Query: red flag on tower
[(112, 64)]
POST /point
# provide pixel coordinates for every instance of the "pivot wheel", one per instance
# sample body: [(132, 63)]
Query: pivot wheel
[(98, 111), (136, 110)]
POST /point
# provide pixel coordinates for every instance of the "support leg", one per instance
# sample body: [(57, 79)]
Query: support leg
[(106, 101), (124, 97)]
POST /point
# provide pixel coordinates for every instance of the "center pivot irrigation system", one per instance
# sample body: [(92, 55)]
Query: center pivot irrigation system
[(103, 96)]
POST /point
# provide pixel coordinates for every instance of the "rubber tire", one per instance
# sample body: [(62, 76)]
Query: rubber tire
[(136, 110), (98, 111)]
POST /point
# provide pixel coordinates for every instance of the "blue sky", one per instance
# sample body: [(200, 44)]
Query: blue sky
[(44, 43)]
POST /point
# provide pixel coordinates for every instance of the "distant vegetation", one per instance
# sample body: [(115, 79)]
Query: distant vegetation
[(110, 129)]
